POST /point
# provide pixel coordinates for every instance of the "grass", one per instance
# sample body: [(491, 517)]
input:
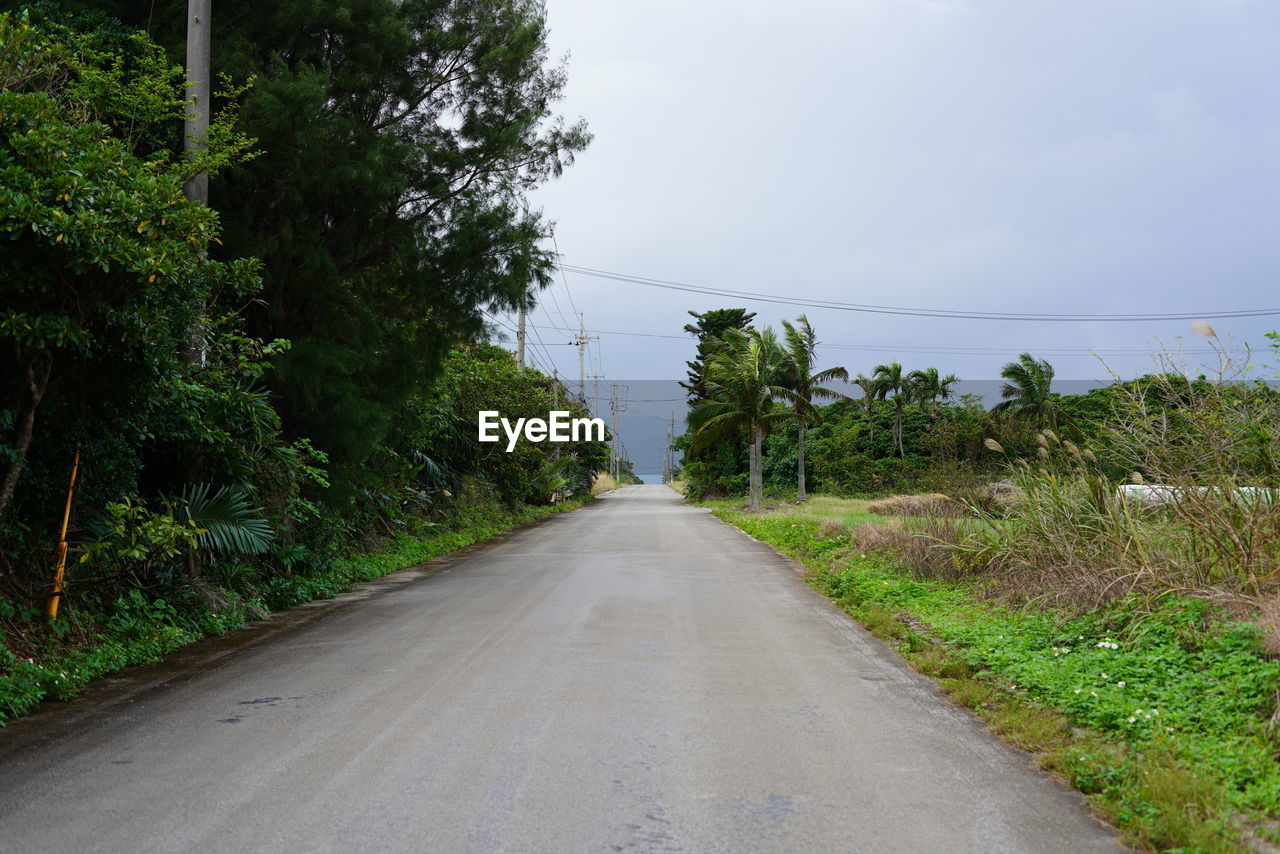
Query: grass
[(141, 630), (817, 508), (1159, 714), (603, 483)]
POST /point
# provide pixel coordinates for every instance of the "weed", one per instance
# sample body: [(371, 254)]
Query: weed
[(879, 620), (933, 504)]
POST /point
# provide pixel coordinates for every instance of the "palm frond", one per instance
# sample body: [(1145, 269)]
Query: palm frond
[(229, 523)]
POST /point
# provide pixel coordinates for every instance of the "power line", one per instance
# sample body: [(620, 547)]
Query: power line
[(532, 356), (942, 351), (559, 255), (550, 363), (913, 312), (510, 328), (568, 327), (640, 334), (1001, 351)]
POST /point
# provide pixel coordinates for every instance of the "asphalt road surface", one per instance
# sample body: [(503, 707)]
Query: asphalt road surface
[(635, 676)]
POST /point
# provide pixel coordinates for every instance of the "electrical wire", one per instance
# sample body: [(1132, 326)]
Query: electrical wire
[(942, 351), (530, 352), (913, 312), (568, 292)]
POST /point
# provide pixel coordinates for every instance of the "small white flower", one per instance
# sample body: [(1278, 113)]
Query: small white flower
[(1104, 676), (1131, 720), (1077, 690), (1121, 683)]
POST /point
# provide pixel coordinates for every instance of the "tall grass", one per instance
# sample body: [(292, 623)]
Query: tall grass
[(1211, 529)]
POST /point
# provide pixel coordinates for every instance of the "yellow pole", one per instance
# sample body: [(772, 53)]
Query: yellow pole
[(51, 607)]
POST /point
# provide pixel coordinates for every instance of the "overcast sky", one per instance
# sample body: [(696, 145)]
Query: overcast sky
[(1096, 156)]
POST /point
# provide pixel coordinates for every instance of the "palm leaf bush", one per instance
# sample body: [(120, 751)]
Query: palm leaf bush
[(229, 523)]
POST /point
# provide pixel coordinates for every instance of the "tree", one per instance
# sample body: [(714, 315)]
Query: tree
[(709, 328), (870, 391), (929, 387), (743, 391), (104, 257), (711, 469), (799, 376), (890, 380), (1027, 391), (399, 142)]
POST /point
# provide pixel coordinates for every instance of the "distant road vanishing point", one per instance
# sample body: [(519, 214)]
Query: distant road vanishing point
[(635, 676)]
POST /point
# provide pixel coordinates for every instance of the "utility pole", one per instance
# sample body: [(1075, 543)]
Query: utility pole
[(581, 343), (199, 13), (615, 447), (671, 451), (613, 431), (595, 410), (195, 128), (520, 338)]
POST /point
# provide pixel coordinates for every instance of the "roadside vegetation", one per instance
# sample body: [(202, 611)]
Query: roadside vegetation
[(233, 405), (1096, 576)]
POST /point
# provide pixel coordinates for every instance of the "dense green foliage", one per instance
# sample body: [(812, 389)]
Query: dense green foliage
[(258, 388), (710, 468), (906, 431), (387, 204), (744, 393)]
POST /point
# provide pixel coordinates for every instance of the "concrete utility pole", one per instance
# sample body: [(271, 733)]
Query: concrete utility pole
[(615, 447), (199, 46), (595, 410), (520, 338), (581, 343), (613, 430), (671, 452), (195, 129)]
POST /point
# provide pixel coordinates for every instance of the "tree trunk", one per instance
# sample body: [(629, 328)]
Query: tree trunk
[(754, 489), (897, 429), (37, 372), (800, 496)]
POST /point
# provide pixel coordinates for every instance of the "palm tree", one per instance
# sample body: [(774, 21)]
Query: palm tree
[(928, 386), (891, 380), (800, 378), (870, 391), (742, 393), (1027, 391)]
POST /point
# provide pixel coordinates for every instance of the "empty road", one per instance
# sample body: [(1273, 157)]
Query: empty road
[(635, 676)]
